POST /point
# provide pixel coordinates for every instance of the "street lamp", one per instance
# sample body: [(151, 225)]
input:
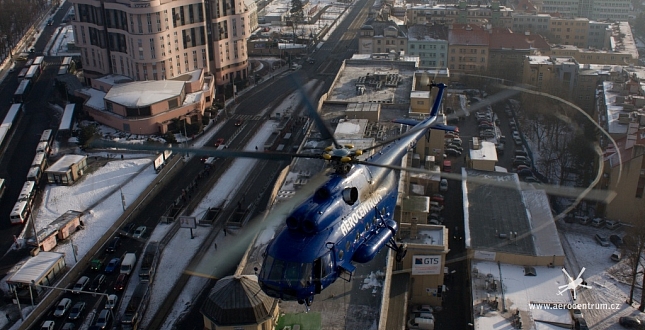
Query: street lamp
[(65, 289)]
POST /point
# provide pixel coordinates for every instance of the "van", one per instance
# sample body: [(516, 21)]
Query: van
[(616, 256), (597, 222), (128, 263)]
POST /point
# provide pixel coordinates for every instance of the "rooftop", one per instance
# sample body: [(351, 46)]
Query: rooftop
[(504, 39), (513, 222), (63, 164), (513, 290), (428, 33), (138, 94), (113, 79), (468, 35), (486, 152), (96, 98), (35, 267)]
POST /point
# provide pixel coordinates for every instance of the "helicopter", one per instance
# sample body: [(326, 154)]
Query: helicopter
[(347, 220)]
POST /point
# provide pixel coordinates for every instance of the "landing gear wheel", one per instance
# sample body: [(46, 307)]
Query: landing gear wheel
[(401, 251)]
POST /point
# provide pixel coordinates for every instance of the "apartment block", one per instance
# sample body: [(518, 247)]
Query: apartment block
[(430, 44), (617, 10), (468, 48), (460, 13), (508, 49), (378, 36), (569, 31), (534, 23), (163, 39), (554, 75)]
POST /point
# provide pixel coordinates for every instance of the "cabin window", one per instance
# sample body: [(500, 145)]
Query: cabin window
[(327, 265)]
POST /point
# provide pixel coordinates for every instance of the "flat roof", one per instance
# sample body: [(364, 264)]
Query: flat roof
[(350, 129), (63, 164), (35, 268), (613, 109), (490, 210), (486, 152), (514, 292), (144, 93), (96, 98)]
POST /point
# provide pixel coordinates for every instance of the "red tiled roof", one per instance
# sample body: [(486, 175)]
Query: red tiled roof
[(506, 39), (470, 35), (526, 6)]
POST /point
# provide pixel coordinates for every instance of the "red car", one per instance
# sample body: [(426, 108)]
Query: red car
[(121, 281), (219, 142)]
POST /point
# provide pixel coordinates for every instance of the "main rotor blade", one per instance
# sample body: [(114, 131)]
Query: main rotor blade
[(563, 191), (205, 151), (325, 131)]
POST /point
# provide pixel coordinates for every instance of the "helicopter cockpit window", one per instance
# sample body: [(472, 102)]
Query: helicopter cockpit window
[(277, 269), (297, 272)]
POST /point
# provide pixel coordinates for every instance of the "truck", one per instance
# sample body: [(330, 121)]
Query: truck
[(128, 263), (149, 262), (137, 305), (97, 263)]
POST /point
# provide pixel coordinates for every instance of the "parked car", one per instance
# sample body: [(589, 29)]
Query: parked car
[(602, 240), (443, 185), (517, 140), (454, 146), (112, 266), (120, 282), (616, 240), (630, 322), (97, 283), (521, 162), (437, 198), (520, 152), (138, 233), (522, 167), (77, 311), (80, 284), (452, 152), (62, 307), (612, 224), (500, 148), (524, 173)]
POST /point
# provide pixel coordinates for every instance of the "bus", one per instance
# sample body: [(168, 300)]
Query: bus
[(40, 62), (66, 121), (46, 136), (28, 191), (22, 73), (10, 118), (40, 161), (29, 62), (19, 213), (34, 174), (43, 147), (22, 91), (33, 73)]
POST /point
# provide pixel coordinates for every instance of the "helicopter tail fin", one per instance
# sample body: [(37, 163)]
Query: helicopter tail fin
[(437, 100)]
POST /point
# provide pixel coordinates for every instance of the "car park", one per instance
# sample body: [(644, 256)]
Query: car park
[(112, 266), (602, 240), (616, 240), (62, 307), (76, 311), (443, 185), (120, 282), (139, 232), (80, 284), (630, 322), (97, 283)]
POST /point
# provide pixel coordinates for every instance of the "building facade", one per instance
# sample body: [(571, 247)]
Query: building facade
[(468, 48), (430, 43), (378, 36), (163, 39), (617, 10), (534, 23), (569, 31)]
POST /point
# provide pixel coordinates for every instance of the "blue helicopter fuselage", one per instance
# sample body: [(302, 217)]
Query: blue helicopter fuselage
[(348, 219)]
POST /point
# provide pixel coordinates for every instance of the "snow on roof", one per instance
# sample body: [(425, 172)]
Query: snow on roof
[(193, 97), (420, 94), (63, 164), (96, 98), (144, 93), (189, 76), (486, 152), (35, 268), (518, 291), (113, 79), (350, 128), (539, 60), (547, 241), (613, 109)]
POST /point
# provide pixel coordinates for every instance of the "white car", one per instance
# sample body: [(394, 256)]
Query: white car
[(111, 301), (138, 233), (62, 307), (443, 185)]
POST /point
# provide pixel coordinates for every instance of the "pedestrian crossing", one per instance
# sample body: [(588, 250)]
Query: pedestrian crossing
[(247, 117)]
